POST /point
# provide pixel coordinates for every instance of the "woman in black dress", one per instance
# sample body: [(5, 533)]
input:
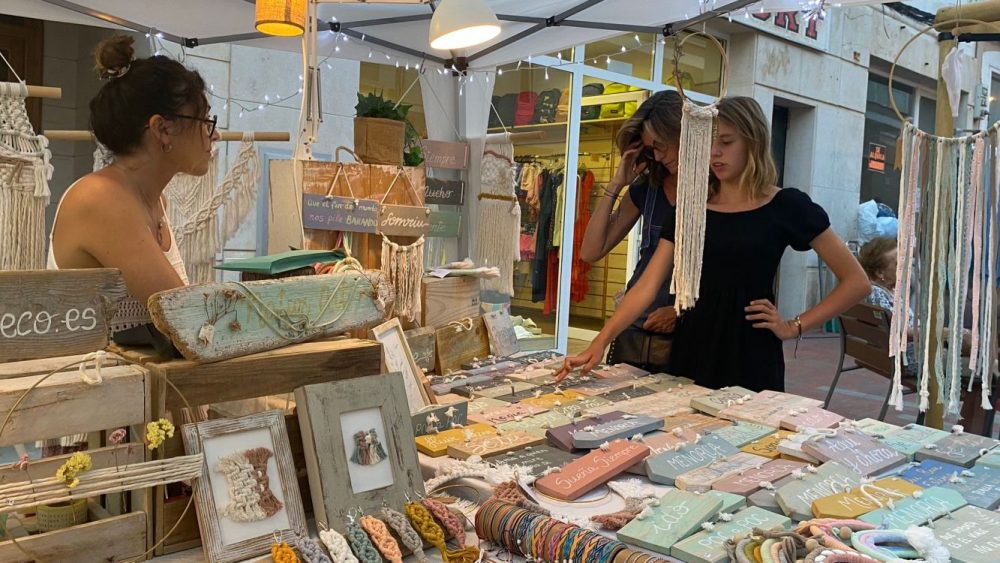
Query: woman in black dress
[(733, 335)]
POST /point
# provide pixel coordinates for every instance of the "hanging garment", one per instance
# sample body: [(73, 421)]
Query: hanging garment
[(525, 108), (543, 237), (551, 282), (499, 226), (25, 172), (557, 221), (580, 284)]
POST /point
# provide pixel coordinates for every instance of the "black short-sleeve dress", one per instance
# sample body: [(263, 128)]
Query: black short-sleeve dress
[(714, 344)]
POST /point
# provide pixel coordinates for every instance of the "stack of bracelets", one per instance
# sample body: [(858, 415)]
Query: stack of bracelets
[(542, 538)]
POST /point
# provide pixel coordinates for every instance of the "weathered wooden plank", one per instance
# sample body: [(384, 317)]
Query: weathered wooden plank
[(118, 538), (493, 445), (448, 299), (63, 404), (444, 154), (666, 467), (217, 321), (582, 475), (456, 345), (971, 534), (441, 417), (112, 456), (270, 373), (503, 340), (678, 515), (625, 428), (436, 445), (534, 459), (709, 546), (421, 341), (628, 393), (46, 313), (505, 413), (41, 366), (961, 449), (856, 450), (715, 401)]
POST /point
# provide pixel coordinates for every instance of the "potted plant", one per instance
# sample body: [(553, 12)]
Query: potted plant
[(382, 133)]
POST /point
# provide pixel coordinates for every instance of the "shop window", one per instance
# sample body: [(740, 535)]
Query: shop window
[(700, 65), (630, 54), (879, 179), (529, 95), (392, 82)]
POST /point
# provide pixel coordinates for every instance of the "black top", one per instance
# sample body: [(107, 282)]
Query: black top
[(656, 212), (714, 343)]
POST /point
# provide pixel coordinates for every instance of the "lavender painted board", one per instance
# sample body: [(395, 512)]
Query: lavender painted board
[(615, 430), (534, 459), (678, 515), (971, 534), (628, 393), (741, 433), (981, 488), (664, 468), (796, 497), (336, 213), (709, 546), (933, 503), (562, 436), (961, 449), (912, 438), (444, 192), (855, 450), (811, 417)]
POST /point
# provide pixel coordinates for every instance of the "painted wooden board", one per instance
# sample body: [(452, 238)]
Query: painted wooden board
[(456, 346), (403, 220), (961, 449), (730, 502), (662, 382), (789, 400), (448, 417), (661, 405), (702, 479), (757, 410), (741, 433), (562, 436), (444, 154), (481, 404), (499, 389), (811, 417), (444, 224), (695, 422), (749, 482), (421, 342), (874, 426), (601, 386), (991, 459), (506, 413), (679, 514), (660, 442), (980, 487), (709, 546), (628, 393), (619, 371), (492, 366), (115, 538), (768, 445), (215, 321), (765, 498), (503, 340), (444, 192), (45, 313), (856, 502), (537, 425), (971, 534), (436, 445), (483, 446), (581, 406), (664, 468), (521, 394), (796, 497), (534, 460), (715, 401), (552, 400), (588, 472), (856, 450), (529, 358), (336, 213), (912, 438), (624, 428), (791, 448), (441, 384), (933, 503)]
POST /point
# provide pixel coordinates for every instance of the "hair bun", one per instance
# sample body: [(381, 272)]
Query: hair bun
[(114, 54)]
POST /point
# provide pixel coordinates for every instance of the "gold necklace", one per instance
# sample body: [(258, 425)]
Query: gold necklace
[(158, 230)]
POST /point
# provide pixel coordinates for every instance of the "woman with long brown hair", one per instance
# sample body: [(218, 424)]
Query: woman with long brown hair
[(733, 334)]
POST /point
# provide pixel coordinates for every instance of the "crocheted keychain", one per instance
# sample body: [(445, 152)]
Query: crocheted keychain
[(281, 552), (382, 539), (360, 543), (368, 449), (336, 544), (409, 536), (423, 522), (311, 550)]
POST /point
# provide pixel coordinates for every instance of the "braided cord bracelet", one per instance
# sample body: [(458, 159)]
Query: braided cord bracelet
[(382, 539), (361, 545), (409, 536), (336, 544)]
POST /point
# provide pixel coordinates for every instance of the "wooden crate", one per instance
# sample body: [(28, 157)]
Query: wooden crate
[(448, 299)]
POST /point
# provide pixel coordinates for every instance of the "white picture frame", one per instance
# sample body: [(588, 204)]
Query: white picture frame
[(396, 356)]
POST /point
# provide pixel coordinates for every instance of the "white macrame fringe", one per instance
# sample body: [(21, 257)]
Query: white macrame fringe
[(404, 266), (25, 171), (499, 221), (693, 173)]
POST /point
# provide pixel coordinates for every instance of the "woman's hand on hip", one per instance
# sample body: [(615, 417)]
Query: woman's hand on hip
[(661, 320), (765, 316), (586, 361)]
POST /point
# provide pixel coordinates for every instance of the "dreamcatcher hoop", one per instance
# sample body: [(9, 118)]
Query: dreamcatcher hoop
[(678, 52)]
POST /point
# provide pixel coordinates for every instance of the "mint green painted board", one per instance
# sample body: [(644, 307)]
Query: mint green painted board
[(971, 534), (911, 438), (796, 497), (730, 502), (742, 433), (709, 546), (933, 503), (445, 224), (872, 426), (678, 515), (991, 459), (538, 424), (702, 479), (666, 467)]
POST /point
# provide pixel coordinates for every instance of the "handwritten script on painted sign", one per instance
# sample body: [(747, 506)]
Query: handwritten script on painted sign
[(856, 450), (333, 213), (678, 515), (666, 467), (971, 534), (584, 474), (710, 545), (444, 224), (491, 445), (796, 497), (403, 220), (444, 192), (445, 154)]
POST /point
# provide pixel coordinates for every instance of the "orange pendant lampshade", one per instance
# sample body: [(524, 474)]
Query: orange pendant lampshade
[(284, 18)]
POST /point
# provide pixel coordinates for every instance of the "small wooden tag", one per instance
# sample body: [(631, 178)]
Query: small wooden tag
[(503, 389), (552, 400), (628, 393), (695, 422), (702, 479), (505, 413), (581, 406), (660, 442), (862, 499), (768, 445), (537, 425), (811, 417), (751, 481), (709, 546), (584, 474), (534, 459), (714, 402), (678, 515), (856, 450), (911, 511), (971, 534), (562, 436), (446, 415), (659, 405), (740, 433), (621, 429), (980, 487), (796, 496), (961, 449), (664, 468), (662, 382), (875, 427), (484, 446), (436, 445), (912, 438)]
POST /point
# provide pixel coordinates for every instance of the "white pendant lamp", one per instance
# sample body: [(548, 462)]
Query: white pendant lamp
[(457, 24)]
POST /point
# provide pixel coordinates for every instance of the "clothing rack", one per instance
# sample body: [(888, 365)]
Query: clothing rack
[(80, 135)]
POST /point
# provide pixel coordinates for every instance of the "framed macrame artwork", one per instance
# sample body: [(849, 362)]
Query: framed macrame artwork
[(358, 442), (397, 356), (250, 494)]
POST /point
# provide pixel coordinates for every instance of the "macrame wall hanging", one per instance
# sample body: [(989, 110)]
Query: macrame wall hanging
[(25, 172), (694, 160), (499, 221), (952, 242), (404, 264)]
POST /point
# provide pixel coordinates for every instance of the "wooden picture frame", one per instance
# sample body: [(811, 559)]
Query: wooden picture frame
[(224, 539), (397, 357), (329, 415)]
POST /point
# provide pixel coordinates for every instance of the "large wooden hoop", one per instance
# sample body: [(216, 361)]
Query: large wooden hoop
[(678, 51)]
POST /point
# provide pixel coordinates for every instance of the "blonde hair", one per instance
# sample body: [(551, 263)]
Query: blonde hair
[(746, 116)]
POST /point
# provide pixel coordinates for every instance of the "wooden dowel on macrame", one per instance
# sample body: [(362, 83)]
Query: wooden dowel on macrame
[(69, 135), (515, 138), (50, 92)]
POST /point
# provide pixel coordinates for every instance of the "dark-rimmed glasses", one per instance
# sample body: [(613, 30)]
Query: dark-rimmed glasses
[(210, 122)]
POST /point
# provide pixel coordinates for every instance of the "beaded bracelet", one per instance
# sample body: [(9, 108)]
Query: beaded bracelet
[(382, 539)]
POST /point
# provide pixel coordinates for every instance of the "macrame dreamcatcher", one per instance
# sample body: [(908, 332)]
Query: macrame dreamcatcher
[(499, 222), (952, 241), (403, 264), (694, 160), (25, 172)]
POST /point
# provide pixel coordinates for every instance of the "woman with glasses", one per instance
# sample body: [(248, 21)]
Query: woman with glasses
[(152, 114), (648, 143)]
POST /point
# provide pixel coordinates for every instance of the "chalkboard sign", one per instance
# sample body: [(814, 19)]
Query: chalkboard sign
[(444, 192), (334, 213), (444, 224)]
